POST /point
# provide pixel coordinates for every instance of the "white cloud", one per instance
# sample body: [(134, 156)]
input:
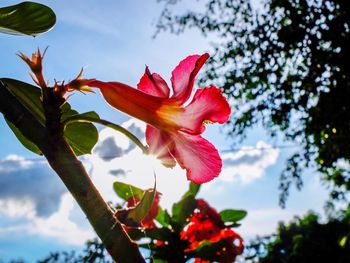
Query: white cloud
[(15, 208), (28, 186), (264, 221), (13, 162), (60, 226), (249, 163), (133, 167), (115, 158), (35, 198)]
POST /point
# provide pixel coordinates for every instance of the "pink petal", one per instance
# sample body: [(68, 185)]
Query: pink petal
[(160, 144), (198, 156), (131, 101), (183, 76), (208, 105), (153, 84)]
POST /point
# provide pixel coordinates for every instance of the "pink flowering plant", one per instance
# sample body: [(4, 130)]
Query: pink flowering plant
[(45, 123), (174, 126)]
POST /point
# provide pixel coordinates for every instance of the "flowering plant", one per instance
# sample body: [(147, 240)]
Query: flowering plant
[(193, 230), (43, 120)]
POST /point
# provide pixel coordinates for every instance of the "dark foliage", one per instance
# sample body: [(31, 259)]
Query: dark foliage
[(305, 240), (286, 65), (94, 252)]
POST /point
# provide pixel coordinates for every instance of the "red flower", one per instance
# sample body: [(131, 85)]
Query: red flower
[(206, 225), (175, 119)]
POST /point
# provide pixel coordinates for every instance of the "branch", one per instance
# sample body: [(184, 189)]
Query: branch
[(60, 156)]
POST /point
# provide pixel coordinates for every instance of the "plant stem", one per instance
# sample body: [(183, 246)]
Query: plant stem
[(62, 159)]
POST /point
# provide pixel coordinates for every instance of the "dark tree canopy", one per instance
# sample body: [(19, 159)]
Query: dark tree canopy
[(284, 64), (305, 240)]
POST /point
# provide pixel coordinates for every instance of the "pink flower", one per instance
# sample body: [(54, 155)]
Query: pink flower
[(175, 119)]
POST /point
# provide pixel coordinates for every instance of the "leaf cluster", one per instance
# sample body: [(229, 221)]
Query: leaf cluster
[(165, 244)]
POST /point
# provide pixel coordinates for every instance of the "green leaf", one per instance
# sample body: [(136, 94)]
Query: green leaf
[(140, 211), (125, 191), (230, 215), (25, 142), (81, 136), (163, 234), (96, 119), (182, 210), (163, 217), (343, 241), (208, 250), (26, 18), (28, 95)]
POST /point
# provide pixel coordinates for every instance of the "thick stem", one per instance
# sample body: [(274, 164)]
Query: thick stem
[(62, 159), (101, 217)]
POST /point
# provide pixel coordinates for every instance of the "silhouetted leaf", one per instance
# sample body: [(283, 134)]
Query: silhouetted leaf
[(25, 142), (81, 136), (26, 18)]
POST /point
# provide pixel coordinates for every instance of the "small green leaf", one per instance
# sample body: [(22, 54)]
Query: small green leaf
[(88, 117), (140, 211), (208, 250), (26, 18), (182, 210), (125, 191), (81, 136), (163, 217), (230, 215), (343, 241), (25, 142)]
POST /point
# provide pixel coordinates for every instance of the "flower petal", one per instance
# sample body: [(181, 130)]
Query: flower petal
[(183, 76), (131, 101), (160, 144), (198, 156), (153, 84), (208, 106)]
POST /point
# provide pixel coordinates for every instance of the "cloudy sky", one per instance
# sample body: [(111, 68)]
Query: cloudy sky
[(113, 41)]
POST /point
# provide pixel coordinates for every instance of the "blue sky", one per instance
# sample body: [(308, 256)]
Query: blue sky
[(113, 41)]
